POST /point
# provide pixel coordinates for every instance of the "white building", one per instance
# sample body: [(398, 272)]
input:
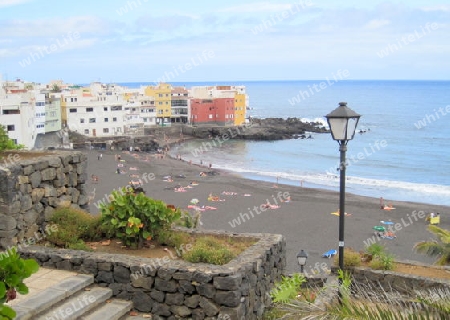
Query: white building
[(17, 115)]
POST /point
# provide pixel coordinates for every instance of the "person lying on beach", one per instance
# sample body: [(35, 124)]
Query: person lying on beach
[(180, 189), (94, 178), (135, 183), (202, 174), (168, 179), (133, 169), (120, 165), (270, 206), (193, 183), (214, 198), (229, 193)]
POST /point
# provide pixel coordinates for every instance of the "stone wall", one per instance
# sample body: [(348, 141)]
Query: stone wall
[(406, 284), (32, 185), (173, 289)]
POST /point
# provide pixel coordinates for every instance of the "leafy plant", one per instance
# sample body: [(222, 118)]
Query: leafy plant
[(13, 270), (136, 217), (74, 226), (439, 248), (287, 289), (209, 250)]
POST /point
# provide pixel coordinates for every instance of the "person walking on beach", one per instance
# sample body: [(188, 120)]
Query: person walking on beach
[(100, 156)]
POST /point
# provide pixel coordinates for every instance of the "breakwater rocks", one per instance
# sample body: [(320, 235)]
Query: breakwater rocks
[(261, 129)]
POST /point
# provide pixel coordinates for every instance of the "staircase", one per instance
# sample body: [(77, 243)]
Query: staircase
[(73, 298)]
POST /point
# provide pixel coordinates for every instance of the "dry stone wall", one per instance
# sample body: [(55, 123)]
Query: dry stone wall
[(32, 185), (176, 289)]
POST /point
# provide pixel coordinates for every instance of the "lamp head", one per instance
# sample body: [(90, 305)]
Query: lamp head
[(342, 122), (301, 257)]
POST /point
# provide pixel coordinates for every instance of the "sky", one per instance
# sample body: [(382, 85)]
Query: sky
[(235, 40)]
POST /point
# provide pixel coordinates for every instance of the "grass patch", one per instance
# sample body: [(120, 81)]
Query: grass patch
[(216, 250), (351, 258), (73, 227)]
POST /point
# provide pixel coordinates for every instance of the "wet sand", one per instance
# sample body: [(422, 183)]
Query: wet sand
[(306, 221)]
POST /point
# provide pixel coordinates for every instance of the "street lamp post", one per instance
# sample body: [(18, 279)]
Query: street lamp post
[(342, 122), (301, 258)]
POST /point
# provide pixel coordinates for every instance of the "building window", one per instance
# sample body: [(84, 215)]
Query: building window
[(11, 127), (116, 108), (210, 116), (106, 119), (114, 119), (82, 120), (89, 109), (91, 120), (105, 108), (160, 95), (105, 130), (73, 110), (86, 131)]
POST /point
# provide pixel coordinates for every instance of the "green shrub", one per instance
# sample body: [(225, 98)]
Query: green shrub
[(375, 249), (73, 226), (351, 258), (209, 250), (383, 261), (134, 217)]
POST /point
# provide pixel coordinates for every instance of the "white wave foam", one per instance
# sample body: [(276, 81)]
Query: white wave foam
[(330, 180)]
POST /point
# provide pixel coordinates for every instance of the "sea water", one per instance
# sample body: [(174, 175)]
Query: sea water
[(403, 154)]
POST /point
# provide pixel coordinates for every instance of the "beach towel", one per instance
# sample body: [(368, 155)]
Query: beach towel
[(329, 253), (337, 214)]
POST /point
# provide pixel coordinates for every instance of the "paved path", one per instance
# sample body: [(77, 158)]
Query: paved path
[(41, 280)]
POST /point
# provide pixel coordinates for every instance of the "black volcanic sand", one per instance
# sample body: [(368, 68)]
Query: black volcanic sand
[(306, 221)]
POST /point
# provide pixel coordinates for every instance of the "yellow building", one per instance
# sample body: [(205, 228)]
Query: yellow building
[(239, 108), (162, 95)]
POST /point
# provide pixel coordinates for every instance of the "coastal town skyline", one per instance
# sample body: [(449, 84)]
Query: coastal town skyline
[(138, 40)]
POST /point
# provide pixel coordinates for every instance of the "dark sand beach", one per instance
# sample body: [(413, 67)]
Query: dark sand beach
[(306, 221)]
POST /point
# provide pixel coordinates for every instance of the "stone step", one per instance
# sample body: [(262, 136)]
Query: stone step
[(112, 310), (77, 305), (29, 307)]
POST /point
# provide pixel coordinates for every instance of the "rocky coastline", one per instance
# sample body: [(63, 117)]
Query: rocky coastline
[(269, 129)]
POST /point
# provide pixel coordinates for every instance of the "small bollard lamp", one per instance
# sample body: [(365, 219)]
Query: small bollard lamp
[(301, 258)]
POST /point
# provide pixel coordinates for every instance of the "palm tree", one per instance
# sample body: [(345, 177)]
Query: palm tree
[(439, 247)]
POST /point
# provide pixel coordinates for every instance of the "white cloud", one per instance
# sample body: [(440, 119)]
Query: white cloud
[(257, 7), (10, 3), (377, 23), (54, 27), (445, 8)]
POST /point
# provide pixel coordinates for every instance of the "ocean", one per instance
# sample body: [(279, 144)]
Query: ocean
[(403, 154)]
